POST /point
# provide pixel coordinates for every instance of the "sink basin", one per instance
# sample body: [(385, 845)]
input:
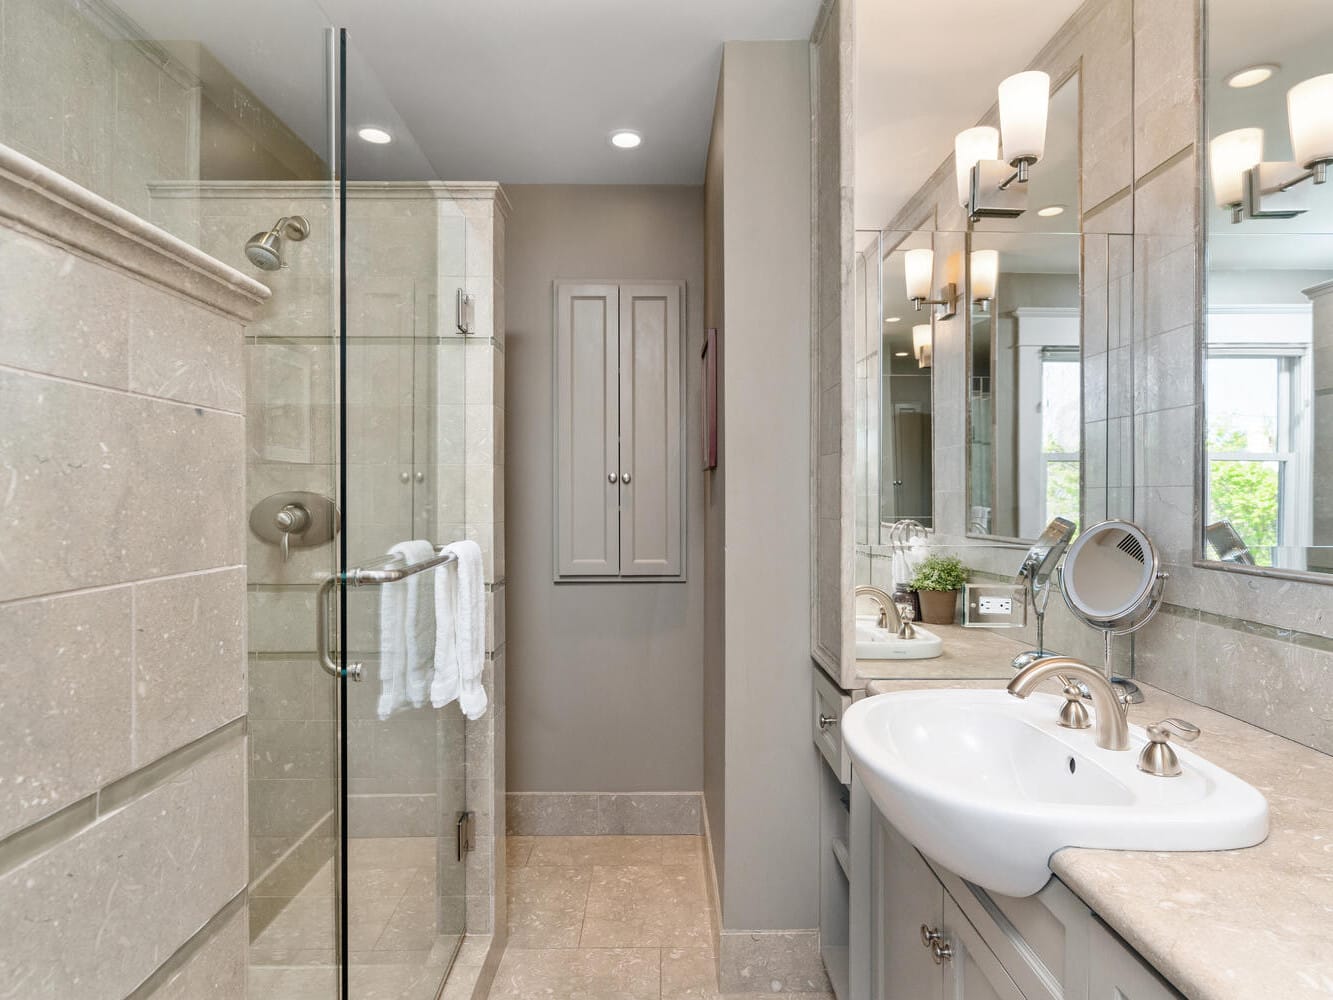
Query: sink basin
[(989, 786), (874, 643)]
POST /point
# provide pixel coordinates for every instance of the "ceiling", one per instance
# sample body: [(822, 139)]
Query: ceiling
[(925, 73), (517, 91)]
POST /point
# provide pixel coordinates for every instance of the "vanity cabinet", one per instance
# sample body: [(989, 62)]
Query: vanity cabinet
[(922, 933)]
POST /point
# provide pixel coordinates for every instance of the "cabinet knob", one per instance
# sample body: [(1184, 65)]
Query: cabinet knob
[(404, 477), (929, 935), (832, 720), (611, 477), (624, 478), (941, 952)]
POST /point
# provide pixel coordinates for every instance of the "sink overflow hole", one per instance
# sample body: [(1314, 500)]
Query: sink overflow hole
[(1072, 765)]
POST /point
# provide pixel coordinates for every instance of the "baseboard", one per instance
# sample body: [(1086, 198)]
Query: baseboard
[(771, 962), (583, 814)]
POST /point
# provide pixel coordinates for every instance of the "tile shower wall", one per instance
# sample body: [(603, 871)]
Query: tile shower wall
[(122, 680)]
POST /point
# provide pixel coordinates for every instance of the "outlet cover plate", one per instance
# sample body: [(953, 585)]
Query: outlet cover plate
[(995, 605)]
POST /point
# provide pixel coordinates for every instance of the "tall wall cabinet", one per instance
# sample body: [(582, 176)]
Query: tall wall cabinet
[(618, 471)]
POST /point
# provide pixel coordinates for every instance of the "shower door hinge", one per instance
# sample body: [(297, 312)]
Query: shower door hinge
[(467, 833), (464, 317)]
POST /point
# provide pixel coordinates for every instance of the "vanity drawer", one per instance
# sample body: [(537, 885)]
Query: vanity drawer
[(828, 704)]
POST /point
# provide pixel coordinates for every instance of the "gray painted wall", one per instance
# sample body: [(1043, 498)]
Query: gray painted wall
[(605, 680), (770, 839)]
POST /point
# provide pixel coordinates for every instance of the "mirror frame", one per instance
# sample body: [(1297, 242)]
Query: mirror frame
[(1203, 205)]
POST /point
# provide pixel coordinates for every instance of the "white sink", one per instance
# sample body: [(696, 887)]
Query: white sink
[(989, 786), (874, 643)]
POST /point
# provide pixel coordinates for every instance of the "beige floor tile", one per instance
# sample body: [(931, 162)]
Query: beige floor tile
[(414, 925), (681, 850), (518, 850), (394, 982), (646, 906), (772, 996), (391, 852), (366, 920), (293, 983), (688, 974), (546, 906), (578, 974), (584, 852)]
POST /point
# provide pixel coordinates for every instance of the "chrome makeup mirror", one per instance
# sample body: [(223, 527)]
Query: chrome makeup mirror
[(1112, 580), (1035, 577)]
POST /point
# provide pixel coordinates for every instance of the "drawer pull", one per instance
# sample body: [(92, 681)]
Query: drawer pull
[(825, 721), (928, 936), (941, 952)]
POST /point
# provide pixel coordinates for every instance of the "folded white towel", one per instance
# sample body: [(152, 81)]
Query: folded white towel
[(460, 640), (407, 633)]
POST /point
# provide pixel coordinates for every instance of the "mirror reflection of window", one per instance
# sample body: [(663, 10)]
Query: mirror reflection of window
[(1061, 432), (1267, 356)]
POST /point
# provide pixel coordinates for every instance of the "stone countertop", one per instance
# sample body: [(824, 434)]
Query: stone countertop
[(969, 653), (1222, 925)]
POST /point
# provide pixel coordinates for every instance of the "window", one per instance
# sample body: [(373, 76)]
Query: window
[(1257, 478), (1061, 423)]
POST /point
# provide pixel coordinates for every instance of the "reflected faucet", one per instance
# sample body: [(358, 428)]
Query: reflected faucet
[(1112, 710), (889, 618)]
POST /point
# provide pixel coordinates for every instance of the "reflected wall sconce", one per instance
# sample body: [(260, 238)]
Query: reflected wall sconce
[(923, 344), (919, 269), (986, 181), (985, 277), (1257, 189)]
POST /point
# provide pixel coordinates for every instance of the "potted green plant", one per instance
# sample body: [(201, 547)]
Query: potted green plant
[(937, 582)]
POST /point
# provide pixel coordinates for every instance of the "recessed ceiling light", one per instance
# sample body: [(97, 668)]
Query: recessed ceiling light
[(901, 354), (376, 135), (626, 138), (893, 319), (1051, 210), (1251, 76)]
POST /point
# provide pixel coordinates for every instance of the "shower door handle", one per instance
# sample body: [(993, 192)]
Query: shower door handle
[(322, 644)]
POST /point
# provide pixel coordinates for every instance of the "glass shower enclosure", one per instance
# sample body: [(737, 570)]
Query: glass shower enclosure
[(238, 128)]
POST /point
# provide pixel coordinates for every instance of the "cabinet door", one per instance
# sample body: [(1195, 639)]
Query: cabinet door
[(1116, 973), (650, 436), (587, 469), (909, 896), (972, 972)]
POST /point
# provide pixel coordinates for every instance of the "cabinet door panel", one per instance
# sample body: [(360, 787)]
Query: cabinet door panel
[(1117, 973), (587, 348), (910, 896), (973, 972), (650, 436)]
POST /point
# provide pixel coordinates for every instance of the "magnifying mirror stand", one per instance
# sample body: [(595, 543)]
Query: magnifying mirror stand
[(1037, 598), (1128, 689)]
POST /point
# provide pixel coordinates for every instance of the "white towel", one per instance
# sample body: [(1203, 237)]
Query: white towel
[(460, 639), (407, 633)]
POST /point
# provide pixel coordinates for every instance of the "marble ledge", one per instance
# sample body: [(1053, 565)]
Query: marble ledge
[(969, 654), (1222, 925)]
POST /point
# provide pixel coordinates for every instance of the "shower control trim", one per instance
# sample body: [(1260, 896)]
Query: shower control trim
[(295, 519)]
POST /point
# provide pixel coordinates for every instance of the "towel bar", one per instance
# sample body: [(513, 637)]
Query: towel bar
[(361, 577)]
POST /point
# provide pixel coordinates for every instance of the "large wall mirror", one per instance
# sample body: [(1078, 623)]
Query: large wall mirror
[(1024, 359), (1266, 340)]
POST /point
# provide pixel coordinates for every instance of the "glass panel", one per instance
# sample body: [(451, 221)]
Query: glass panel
[(212, 121), (404, 458)]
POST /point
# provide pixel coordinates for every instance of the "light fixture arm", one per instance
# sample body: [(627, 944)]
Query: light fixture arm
[(946, 306), (1020, 174)]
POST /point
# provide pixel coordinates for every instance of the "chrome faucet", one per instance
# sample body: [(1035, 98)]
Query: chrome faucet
[(889, 618), (1112, 710)]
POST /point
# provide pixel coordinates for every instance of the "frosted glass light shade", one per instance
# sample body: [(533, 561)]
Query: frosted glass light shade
[(921, 344), (969, 146), (985, 274), (1229, 156), (1310, 113), (919, 269), (1024, 98)]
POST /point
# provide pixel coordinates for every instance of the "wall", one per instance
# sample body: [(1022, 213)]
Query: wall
[(760, 180), (123, 843), (606, 678)]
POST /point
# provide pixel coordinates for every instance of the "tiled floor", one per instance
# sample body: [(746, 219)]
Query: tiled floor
[(397, 951), (610, 918)]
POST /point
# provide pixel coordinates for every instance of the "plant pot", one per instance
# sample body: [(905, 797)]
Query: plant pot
[(938, 607)]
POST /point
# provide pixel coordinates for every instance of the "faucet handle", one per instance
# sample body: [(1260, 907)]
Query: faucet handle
[(1157, 757), (1074, 715)]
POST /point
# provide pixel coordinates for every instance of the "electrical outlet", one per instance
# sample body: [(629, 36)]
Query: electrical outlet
[(995, 605)]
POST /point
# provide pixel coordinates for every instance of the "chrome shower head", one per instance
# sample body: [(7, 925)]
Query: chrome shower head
[(264, 250)]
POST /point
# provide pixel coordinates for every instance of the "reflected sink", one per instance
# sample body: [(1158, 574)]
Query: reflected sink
[(875, 643), (989, 786)]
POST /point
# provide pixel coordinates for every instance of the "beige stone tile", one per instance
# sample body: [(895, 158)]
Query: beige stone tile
[(681, 850), (65, 678), (688, 974), (189, 659), (546, 906), (181, 351), (216, 971), (584, 852), (418, 922), (518, 850), (293, 983), (390, 852), (578, 974), (644, 906)]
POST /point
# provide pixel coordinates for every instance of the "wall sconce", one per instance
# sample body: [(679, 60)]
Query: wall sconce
[(923, 344), (919, 269), (1230, 157), (985, 181), (1268, 188), (985, 276)]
